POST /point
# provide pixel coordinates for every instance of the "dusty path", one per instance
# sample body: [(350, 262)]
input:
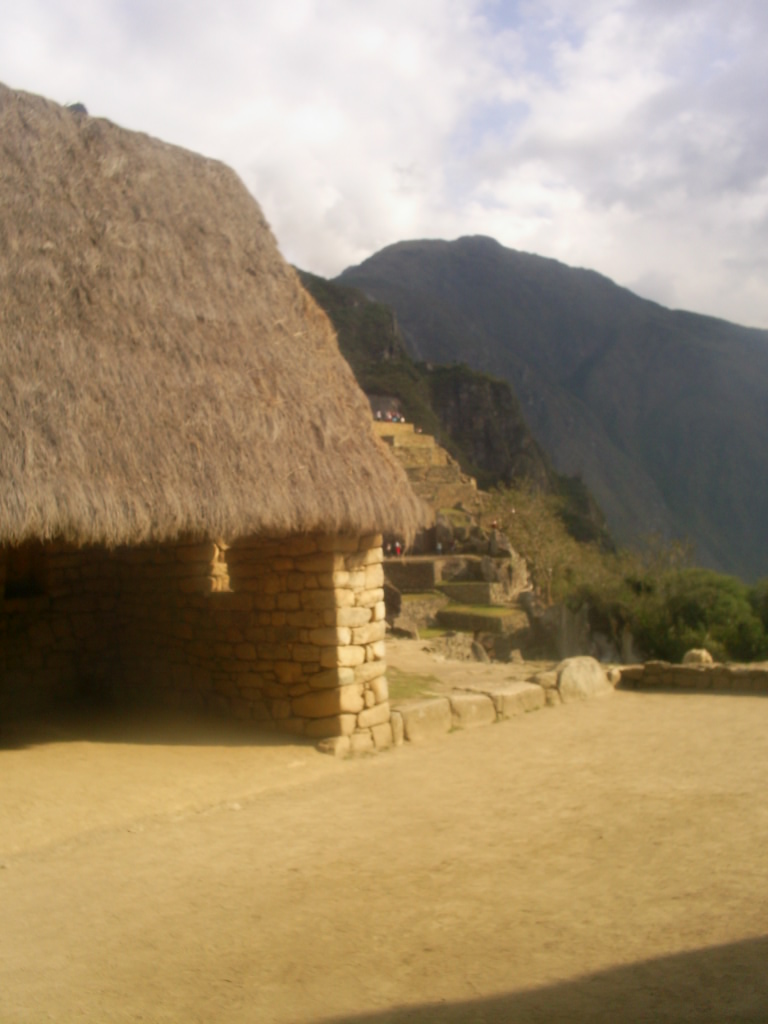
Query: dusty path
[(595, 862)]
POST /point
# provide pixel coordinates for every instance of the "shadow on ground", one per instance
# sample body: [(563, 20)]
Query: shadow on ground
[(718, 985), (147, 726)]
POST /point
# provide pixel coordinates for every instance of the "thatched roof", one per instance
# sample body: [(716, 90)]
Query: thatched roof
[(162, 371)]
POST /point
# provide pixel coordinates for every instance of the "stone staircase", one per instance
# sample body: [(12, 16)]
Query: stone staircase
[(434, 475), (455, 592)]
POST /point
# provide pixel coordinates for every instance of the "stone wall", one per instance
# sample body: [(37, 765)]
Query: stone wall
[(56, 628), (287, 632), (729, 678)]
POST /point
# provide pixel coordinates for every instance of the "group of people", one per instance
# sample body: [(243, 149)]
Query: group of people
[(390, 416)]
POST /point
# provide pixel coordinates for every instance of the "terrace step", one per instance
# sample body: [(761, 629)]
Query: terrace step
[(471, 592), (433, 474), (466, 619), (416, 573), (422, 457), (402, 435)]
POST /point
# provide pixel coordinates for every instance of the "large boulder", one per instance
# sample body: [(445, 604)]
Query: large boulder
[(581, 678), (698, 656)]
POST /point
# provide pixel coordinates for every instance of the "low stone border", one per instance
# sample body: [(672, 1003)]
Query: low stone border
[(574, 679), (662, 675), (487, 703)]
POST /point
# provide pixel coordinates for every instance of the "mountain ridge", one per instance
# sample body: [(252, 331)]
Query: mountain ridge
[(662, 412)]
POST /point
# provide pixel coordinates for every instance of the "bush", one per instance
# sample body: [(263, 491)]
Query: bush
[(758, 599), (698, 608)]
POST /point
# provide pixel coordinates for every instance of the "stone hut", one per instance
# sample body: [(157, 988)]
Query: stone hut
[(191, 494)]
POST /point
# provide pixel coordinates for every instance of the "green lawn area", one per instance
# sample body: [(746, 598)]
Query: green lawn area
[(498, 611), (406, 685)]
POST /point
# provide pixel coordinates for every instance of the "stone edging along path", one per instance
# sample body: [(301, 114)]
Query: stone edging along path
[(730, 678), (485, 702)]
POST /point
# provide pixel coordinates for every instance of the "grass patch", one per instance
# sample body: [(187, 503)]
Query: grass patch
[(432, 632), (406, 685), (480, 609)]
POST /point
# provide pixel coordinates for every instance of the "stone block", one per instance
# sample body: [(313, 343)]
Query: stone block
[(307, 620), (353, 617), (245, 652), (338, 725), (517, 698), (298, 580), (376, 715), (370, 598), (581, 678), (382, 736), (341, 636), (546, 680), (380, 689), (426, 719), (282, 565), (379, 612), (273, 584), (369, 671), (376, 651), (374, 577), (614, 675), (325, 563), (332, 580), (355, 561), (339, 676), (324, 703), (369, 633), (471, 709), (349, 657), (319, 600), (298, 689), (307, 652)]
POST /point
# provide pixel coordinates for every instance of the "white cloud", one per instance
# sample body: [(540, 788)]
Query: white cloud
[(623, 135)]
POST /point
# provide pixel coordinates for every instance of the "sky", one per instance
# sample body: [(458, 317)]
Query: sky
[(626, 136)]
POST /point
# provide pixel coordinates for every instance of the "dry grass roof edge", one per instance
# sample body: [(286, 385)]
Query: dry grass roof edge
[(163, 374)]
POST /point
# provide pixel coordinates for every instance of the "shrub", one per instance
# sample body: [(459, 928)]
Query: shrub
[(699, 608)]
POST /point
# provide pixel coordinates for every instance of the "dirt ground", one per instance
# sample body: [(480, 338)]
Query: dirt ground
[(598, 862)]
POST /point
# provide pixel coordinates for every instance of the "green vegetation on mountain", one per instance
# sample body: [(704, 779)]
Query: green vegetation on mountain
[(662, 414), (668, 605)]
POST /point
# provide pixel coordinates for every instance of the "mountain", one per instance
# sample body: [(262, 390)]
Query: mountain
[(474, 415), (662, 413)]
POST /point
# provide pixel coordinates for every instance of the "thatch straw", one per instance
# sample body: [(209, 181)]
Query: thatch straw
[(162, 371)]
